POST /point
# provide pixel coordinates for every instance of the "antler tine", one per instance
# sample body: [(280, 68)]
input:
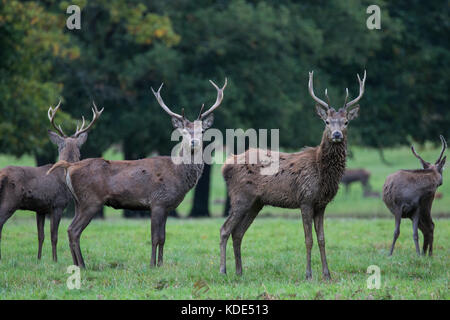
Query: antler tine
[(311, 92), (326, 95), (201, 110), (218, 99), (95, 115), (361, 91), (51, 116), (163, 105), (418, 157), (444, 146), (346, 97)]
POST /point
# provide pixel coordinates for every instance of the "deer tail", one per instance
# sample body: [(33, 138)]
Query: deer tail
[(60, 164)]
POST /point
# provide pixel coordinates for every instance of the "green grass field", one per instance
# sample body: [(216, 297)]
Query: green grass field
[(117, 251)]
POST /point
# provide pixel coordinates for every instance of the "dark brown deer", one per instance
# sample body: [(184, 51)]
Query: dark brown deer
[(410, 194), (359, 175), (29, 188), (308, 180), (158, 184)]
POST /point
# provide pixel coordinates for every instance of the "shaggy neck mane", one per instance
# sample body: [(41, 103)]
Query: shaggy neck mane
[(331, 159), (190, 172)]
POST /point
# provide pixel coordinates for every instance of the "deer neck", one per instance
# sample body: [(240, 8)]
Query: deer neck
[(331, 162), (70, 156), (191, 172)]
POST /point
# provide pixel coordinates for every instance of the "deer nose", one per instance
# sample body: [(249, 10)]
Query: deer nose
[(337, 135)]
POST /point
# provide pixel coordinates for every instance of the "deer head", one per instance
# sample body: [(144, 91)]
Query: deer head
[(440, 162), (192, 131), (69, 147), (336, 121)]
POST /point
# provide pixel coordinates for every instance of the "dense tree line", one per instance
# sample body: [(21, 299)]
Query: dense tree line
[(265, 48)]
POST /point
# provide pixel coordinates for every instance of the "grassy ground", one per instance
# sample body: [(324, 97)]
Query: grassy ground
[(117, 253)]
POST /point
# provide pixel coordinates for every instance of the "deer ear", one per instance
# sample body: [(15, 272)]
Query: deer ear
[(177, 123), (321, 112), (353, 114), (208, 122), (82, 139), (55, 138)]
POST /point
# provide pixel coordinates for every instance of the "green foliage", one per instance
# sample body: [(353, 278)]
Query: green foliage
[(31, 39), (265, 48)]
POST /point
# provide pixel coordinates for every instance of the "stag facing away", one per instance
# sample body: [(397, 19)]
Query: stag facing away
[(158, 184), (308, 180), (410, 194), (29, 188)]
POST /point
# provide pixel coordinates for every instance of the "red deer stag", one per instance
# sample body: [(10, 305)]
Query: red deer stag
[(354, 175), (29, 188), (410, 194), (157, 184), (308, 180)]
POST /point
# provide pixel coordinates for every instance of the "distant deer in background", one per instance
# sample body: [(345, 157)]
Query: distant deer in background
[(354, 175), (410, 194), (29, 188), (308, 180), (157, 184)]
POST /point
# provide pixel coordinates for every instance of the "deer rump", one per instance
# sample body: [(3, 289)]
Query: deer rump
[(410, 192), (32, 188), (133, 185)]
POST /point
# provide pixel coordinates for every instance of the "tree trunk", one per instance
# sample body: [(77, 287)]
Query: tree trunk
[(200, 207)]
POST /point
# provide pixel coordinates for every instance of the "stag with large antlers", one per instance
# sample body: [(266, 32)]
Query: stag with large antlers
[(29, 188), (410, 194), (308, 180), (158, 184)]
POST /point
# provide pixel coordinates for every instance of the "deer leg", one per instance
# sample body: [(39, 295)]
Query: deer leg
[(238, 233), (318, 225), (54, 225), (40, 221), (398, 219), (430, 245), (158, 230), (307, 216), (5, 214), (78, 224), (235, 217), (415, 225)]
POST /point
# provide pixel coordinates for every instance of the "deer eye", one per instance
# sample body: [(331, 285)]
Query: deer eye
[(327, 122), (346, 123)]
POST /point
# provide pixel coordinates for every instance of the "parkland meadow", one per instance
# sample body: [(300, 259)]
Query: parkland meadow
[(358, 234)]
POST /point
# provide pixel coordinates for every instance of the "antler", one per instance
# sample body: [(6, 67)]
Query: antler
[(424, 163), (163, 105), (51, 116), (96, 115), (218, 99), (361, 91), (311, 92), (444, 146), (346, 97)]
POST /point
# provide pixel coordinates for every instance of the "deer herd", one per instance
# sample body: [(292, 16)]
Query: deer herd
[(308, 180)]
